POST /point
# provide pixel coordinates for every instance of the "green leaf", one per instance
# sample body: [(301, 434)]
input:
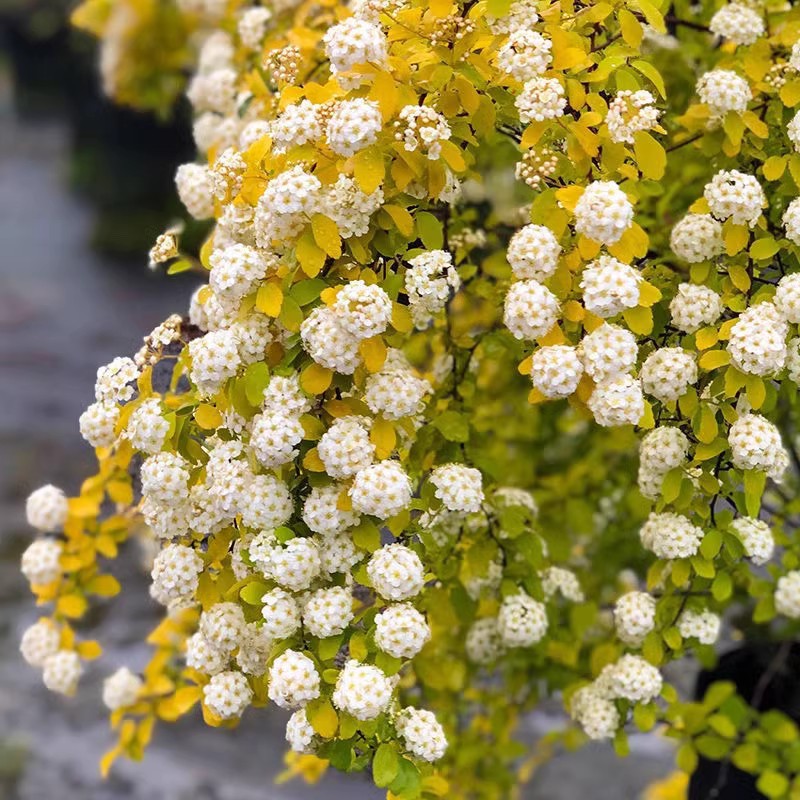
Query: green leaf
[(772, 783), (385, 765), (453, 426), (722, 588), (253, 592), (754, 483), (430, 231), (256, 379), (305, 292)]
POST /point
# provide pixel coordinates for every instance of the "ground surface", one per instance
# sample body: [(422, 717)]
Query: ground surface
[(63, 312)]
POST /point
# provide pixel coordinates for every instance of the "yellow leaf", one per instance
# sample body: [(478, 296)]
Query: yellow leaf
[(108, 760), (369, 169), (739, 277), (756, 391), (326, 235), (72, 606), (453, 156), (384, 92), (568, 196), (573, 311), (313, 462), (631, 28), (639, 319), (774, 167), (323, 719), (525, 366), (790, 93), (89, 650), (401, 318), (269, 299), (83, 507), (401, 218), (383, 436), (707, 429), (208, 417), (714, 358), (373, 351), (651, 157), (103, 586), (309, 254), (705, 338), (736, 238), (315, 379), (649, 295)]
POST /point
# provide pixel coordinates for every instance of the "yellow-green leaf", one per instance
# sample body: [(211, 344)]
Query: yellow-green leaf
[(269, 299), (650, 155), (326, 235)]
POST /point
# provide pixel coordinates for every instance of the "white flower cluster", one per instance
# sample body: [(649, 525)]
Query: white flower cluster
[(670, 536), (353, 125), (755, 443), (195, 186), (734, 195), (701, 625), (738, 23), (41, 561), (541, 99), (722, 90), (47, 508), (227, 694), (787, 595), (352, 43), (609, 351), (114, 380), (618, 401), (521, 621), (395, 392), (381, 490), (661, 450), (697, 237), (483, 643), (525, 55), (300, 735), (459, 487), (609, 286), (631, 678), (787, 298), (668, 372), (362, 691), (422, 128), (327, 612), (756, 537), (694, 306), (556, 370), (322, 514), (634, 617), (401, 630), (631, 112), (557, 580), (429, 282), (215, 358), (422, 733), (121, 689), (396, 572), (293, 680), (345, 448), (535, 166), (62, 671), (791, 221), (40, 641), (98, 423), (176, 571), (252, 26), (757, 342), (533, 253), (530, 309), (603, 212)]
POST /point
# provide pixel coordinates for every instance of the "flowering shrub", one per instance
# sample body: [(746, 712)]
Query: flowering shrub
[(471, 263)]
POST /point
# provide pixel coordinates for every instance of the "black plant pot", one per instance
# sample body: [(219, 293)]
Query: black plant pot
[(767, 676)]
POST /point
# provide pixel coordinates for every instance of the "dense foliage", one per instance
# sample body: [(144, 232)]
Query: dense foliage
[(490, 395)]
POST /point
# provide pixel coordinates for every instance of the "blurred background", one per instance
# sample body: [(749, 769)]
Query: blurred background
[(85, 187)]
